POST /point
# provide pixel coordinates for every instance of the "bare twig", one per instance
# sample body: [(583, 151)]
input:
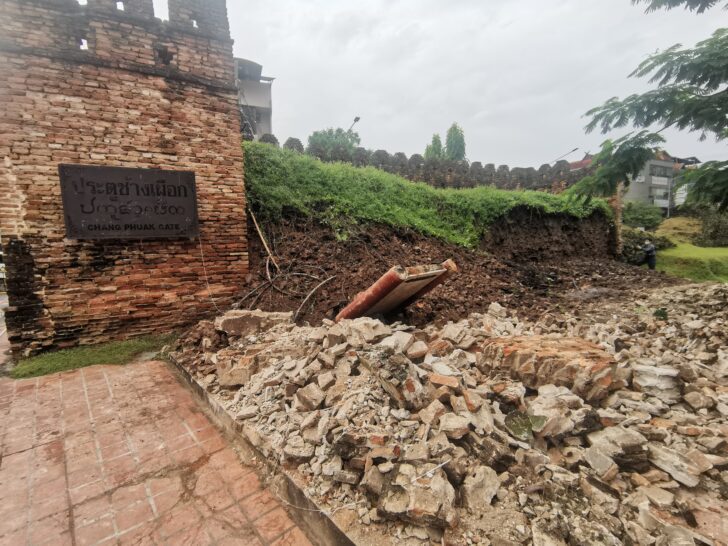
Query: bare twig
[(319, 285), (262, 239)]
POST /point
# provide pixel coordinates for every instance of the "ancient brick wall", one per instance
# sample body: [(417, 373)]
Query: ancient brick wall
[(96, 85)]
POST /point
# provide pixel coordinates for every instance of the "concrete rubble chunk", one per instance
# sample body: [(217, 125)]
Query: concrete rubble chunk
[(364, 330), (398, 342), (658, 381), (680, 467), (497, 310), (310, 397), (479, 488), (658, 496), (421, 495), (417, 350), (235, 371), (432, 412), (698, 400), (325, 380), (454, 426), (562, 410), (244, 322), (297, 450), (454, 332), (602, 464), (373, 481), (247, 412), (582, 367)]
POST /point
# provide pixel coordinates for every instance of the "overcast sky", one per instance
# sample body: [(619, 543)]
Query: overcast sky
[(517, 75)]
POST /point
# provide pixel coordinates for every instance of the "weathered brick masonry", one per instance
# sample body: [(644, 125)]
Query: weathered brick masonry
[(145, 93)]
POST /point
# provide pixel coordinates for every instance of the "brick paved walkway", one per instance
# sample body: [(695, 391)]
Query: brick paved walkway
[(123, 455)]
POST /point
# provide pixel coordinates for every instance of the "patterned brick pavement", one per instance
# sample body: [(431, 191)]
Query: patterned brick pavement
[(124, 455)]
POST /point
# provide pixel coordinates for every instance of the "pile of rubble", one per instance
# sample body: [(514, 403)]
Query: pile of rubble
[(600, 429)]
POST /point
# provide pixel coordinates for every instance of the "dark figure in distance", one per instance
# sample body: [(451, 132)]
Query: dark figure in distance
[(650, 254)]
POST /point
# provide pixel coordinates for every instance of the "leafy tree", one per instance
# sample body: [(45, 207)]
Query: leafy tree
[(612, 168), (640, 215), (293, 144), (693, 5), (455, 143), (333, 144), (434, 150), (617, 163), (399, 163), (269, 139), (361, 156), (690, 94), (381, 160)]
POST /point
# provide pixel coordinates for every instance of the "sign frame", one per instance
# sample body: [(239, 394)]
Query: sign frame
[(102, 202)]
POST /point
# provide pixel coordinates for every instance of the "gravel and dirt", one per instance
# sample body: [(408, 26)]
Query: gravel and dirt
[(530, 264)]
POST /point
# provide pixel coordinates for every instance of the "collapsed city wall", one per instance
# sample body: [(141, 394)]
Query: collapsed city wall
[(97, 85)]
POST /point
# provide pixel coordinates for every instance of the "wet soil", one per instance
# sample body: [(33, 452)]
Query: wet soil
[(529, 263)]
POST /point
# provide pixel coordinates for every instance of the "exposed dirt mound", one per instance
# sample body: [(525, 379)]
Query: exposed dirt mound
[(530, 264), (526, 234)]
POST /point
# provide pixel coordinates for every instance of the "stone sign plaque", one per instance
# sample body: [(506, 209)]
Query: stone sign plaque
[(122, 203)]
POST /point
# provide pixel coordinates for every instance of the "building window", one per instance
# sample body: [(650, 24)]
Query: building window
[(83, 44), (120, 6)]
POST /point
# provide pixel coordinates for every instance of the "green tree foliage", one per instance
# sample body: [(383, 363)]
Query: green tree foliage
[(361, 157), (693, 5), (690, 94), (269, 139), (640, 215), (293, 144), (455, 143), (617, 161), (333, 144), (381, 160), (399, 163), (434, 149)]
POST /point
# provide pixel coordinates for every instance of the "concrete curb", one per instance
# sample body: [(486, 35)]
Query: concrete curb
[(319, 528)]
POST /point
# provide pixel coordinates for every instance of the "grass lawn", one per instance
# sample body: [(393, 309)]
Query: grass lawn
[(115, 352), (695, 262)]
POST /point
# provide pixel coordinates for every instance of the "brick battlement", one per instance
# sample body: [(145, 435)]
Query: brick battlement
[(139, 93), (133, 39)]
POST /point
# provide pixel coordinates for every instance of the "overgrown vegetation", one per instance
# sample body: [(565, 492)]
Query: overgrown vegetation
[(715, 229), (640, 215), (280, 181), (116, 352)]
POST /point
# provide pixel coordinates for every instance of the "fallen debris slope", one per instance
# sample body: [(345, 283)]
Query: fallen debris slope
[(601, 429), (527, 274)]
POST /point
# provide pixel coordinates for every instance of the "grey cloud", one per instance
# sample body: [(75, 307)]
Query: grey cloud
[(517, 74)]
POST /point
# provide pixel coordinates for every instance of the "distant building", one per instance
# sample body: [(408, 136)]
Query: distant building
[(254, 98), (657, 183)]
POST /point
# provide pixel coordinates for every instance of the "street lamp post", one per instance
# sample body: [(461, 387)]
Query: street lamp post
[(356, 120)]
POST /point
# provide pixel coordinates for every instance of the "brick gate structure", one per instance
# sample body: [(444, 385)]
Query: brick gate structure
[(107, 83)]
